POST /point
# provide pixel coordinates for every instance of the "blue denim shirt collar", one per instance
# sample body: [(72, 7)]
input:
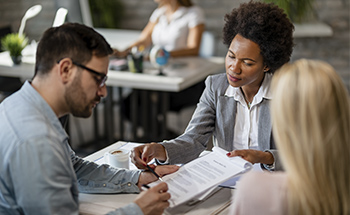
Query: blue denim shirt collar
[(37, 100)]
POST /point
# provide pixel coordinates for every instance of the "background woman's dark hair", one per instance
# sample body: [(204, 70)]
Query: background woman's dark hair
[(72, 40), (265, 24), (186, 3)]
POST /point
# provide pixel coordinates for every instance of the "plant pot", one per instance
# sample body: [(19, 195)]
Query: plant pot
[(16, 59)]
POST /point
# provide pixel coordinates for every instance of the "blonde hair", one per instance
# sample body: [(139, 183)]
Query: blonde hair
[(311, 124)]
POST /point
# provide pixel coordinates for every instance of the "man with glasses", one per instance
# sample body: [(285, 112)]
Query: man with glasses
[(39, 172)]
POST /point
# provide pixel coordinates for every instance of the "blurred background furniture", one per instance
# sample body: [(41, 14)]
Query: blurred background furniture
[(8, 85), (60, 17)]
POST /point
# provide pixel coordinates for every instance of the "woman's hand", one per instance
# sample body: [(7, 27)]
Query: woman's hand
[(143, 154), (253, 156), (120, 54)]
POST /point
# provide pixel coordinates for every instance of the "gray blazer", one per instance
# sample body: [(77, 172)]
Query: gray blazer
[(215, 116)]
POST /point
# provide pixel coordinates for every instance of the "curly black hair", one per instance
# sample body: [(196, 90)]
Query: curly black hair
[(265, 24)]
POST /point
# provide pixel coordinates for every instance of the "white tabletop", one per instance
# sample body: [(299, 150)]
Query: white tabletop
[(98, 204), (180, 73), (119, 38)]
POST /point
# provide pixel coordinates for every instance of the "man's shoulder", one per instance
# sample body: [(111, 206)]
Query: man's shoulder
[(22, 120)]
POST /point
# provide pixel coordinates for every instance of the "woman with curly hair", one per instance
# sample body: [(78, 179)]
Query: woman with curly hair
[(234, 107), (311, 121)]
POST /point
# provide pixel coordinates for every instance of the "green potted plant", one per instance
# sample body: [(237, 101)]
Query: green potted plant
[(106, 13), (296, 10), (14, 43)]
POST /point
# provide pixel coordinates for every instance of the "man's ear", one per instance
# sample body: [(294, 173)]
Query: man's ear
[(266, 68), (66, 70)]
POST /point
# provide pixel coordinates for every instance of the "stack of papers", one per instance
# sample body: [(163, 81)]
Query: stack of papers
[(200, 177)]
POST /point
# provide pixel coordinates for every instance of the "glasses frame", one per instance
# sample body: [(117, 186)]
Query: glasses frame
[(104, 77), (102, 82)]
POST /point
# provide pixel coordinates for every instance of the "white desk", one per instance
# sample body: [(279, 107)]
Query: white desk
[(103, 203), (119, 38), (193, 70), (180, 74)]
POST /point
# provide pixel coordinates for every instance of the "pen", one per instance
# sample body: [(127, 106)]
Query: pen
[(154, 173), (146, 186)]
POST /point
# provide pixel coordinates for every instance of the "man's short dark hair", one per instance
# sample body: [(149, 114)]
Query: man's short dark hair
[(265, 24), (72, 40)]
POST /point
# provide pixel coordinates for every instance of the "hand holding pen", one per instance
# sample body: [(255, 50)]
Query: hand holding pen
[(144, 153), (153, 172), (154, 200), (147, 177), (160, 170)]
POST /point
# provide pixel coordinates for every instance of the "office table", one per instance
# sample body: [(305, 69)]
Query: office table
[(97, 204)]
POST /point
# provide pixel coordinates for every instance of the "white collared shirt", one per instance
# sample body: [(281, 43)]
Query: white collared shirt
[(173, 35), (246, 123)]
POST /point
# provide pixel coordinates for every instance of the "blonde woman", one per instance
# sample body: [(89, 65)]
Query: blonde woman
[(311, 122)]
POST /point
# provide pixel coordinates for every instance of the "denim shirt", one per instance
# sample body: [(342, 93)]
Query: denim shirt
[(39, 172)]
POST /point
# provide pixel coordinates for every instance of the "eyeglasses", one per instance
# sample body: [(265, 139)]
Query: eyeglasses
[(101, 82)]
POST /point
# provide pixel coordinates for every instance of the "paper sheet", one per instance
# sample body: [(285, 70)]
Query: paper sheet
[(201, 174)]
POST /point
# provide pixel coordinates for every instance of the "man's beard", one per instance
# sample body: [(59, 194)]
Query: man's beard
[(76, 99)]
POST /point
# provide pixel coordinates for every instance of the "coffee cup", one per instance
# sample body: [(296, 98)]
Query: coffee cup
[(118, 158)]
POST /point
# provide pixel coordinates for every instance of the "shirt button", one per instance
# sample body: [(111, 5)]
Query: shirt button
[(129, 184)]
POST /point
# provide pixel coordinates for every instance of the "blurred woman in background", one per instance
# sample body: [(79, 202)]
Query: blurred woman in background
[(176, 25)]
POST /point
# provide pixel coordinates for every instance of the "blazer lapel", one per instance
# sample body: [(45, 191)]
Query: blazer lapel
[(226, 115), (264, 127)]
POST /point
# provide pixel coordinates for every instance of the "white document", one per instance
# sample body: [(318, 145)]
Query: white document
[(232, 182), (202, 174)]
